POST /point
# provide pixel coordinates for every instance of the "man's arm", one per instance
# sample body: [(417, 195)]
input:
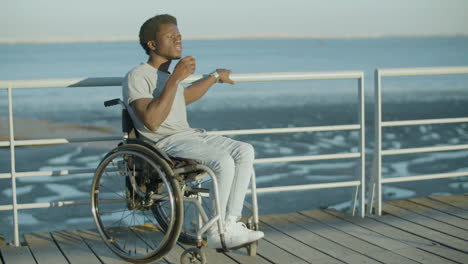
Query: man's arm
[(195, 91), (152, 112)]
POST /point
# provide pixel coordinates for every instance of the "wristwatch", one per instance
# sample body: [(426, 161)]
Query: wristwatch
[(216, 75)]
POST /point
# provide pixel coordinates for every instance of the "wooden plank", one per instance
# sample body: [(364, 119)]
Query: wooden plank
[(2, 241), (211, 254), (352, 227), (74, 248), (242, 256), (139, 238), (265, 251), (12, 255), (424, 232), (95, 243), (315, 235), (427, 222), (293, 246), (173, 256), (276, 254), (434, 214), (440, 206), (402, 236), (374, 245), (460, 201), (214, 257), (44, 248)]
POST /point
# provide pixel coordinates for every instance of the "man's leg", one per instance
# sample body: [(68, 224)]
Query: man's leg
[(222, 164), (215, 156), (243, 156)]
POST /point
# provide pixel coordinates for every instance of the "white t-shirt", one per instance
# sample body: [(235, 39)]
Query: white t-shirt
[(144, 81)]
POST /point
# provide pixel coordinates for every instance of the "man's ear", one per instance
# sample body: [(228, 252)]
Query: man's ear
[(151, 45)]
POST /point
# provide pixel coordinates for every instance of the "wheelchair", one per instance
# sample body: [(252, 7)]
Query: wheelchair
[(143, 201)]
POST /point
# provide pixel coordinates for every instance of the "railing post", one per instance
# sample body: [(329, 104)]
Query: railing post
[(375, 190), (13, 168), (362, 146)]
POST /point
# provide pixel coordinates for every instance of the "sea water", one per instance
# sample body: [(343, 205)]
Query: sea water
[(79, 112)]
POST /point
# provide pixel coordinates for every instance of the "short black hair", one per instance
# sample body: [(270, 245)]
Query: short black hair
[(150, 28)]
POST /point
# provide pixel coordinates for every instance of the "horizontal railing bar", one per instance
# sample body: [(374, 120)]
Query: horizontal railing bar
[(56, 141), (6, 207), (44, 205), (288, 76), (423, 71), (285, 130), (117, 81), (47, 173), (61, 83), (256, 161), (421, 150), (259, 190), (424, 122), (51, 204), (425, 177), (307, 158), (307, 187)]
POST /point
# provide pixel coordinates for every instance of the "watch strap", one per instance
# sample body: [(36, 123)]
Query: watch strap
[(215, 74)]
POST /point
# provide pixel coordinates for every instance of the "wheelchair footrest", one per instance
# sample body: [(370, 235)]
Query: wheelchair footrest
[(196, 190)]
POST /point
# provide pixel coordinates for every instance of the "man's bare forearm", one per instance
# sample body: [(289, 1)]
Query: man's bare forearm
[(195, 91), (200, 87)]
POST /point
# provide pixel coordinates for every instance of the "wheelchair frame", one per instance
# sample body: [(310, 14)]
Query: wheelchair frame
[(183, 172)]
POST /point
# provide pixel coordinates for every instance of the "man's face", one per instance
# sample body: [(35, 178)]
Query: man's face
[(169, 42)]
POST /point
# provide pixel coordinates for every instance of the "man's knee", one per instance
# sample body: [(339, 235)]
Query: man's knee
[(246, 152), (224, 165)]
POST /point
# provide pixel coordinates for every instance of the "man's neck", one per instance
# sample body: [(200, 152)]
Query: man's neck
[(159, 63)]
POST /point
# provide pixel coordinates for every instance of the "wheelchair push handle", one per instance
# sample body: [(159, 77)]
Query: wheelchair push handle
[(112, 102)]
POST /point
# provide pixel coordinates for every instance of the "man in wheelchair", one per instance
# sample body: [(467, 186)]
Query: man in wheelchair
[(158, 102)]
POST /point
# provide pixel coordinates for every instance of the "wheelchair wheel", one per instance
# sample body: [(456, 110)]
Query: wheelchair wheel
[(127, 182), (192, 220)]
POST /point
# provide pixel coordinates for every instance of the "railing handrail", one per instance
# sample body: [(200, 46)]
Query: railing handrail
[(375, 190), (417, 71), (248, 77), (57, 141), (239, 77)]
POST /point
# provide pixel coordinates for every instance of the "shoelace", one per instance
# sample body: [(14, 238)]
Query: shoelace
[(239, 226)]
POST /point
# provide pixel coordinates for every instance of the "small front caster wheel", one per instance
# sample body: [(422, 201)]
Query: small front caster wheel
[(252, 248), (193, 256)]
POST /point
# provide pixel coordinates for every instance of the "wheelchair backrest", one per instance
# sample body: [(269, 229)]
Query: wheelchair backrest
[(127, 125), (133, 137)]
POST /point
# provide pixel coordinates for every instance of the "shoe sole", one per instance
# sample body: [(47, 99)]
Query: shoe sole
[(222, 250)]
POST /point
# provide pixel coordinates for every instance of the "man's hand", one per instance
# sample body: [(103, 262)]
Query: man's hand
[(224, 76), (184, 68)]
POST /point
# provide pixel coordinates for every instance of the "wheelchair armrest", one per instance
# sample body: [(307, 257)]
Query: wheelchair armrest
[(150, 146)]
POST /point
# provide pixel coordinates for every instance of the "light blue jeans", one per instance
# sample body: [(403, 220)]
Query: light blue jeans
[(230, 160)]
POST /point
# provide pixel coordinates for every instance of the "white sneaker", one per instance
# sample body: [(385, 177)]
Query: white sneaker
[(236, 235)]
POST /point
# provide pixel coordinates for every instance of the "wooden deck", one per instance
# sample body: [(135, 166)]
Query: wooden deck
[(419, 230)]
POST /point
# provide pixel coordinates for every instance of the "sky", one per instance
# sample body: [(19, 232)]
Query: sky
[(65, 20)]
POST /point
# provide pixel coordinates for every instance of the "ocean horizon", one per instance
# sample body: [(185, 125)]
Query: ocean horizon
[(51, 40)]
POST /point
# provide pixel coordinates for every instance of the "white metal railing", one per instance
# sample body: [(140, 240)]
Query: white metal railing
[(255, 77), (376, 181)]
